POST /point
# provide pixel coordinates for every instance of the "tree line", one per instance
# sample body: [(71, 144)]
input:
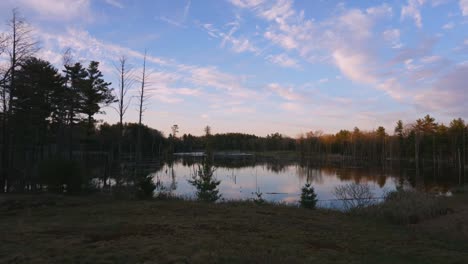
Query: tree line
[(424, 143)]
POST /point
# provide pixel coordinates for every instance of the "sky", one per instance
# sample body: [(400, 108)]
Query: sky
[(266, 66)]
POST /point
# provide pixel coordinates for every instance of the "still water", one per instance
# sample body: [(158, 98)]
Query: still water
[(282, 181)]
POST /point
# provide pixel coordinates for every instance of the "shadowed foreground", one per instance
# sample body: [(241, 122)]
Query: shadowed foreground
[(51, 229)]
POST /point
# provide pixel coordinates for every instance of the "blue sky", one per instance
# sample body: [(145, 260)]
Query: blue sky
[(264, 66)]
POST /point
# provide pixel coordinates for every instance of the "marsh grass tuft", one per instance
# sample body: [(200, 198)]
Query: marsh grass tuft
[(407, 207)]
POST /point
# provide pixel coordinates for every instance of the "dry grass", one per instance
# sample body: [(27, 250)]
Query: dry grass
[(103, 230), (407, 207)]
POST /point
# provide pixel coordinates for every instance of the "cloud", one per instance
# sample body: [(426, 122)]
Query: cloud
[(170, 83), (214, 78), (393, 88), (246, 3), (344, 38), (164, 86), (115, 3), (436, 3), (380, 11), (88, 47), (291, 107), (393, 37), (284, 40), (180, 19), (238, 44), (283, 60), (187, 9), (171, 21), (360, 44), (412, 10), (356, 66), (279, 11), (448, 94), (242, 44), (422, 49), (448, 26), (211, 30), (287, 93), (58, 9), (464, 7)]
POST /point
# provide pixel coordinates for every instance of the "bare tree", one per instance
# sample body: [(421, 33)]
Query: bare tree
[(3, 43), (3, 71), (142, 102), (175, 130), (142, 93), (207, 131), (67, 57), (126, 81), (19, 44), (60, 119)]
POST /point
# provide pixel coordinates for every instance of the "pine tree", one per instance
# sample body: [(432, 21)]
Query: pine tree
[(205, 183), (308, 197), (94, 94)]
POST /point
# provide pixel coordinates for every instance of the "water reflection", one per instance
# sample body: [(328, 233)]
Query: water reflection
[(281, 181)]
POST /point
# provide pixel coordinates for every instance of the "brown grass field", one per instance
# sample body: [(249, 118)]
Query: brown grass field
[(99, 229)]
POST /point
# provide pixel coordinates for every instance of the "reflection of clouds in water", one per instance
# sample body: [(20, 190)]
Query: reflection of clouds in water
[(241, 182)]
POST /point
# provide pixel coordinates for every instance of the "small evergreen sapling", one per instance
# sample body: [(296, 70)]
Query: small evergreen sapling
[(146, 188), (308, 197), (205, 183)]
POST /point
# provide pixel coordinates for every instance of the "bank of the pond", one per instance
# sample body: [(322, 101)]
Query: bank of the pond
[(100, 229)]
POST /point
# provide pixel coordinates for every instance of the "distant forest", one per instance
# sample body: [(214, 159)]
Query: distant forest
[(48, 124)]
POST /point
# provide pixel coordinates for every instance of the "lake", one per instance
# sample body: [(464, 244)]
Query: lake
[(281, 181)]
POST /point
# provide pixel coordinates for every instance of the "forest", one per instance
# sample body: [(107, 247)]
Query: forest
[(48, 119)]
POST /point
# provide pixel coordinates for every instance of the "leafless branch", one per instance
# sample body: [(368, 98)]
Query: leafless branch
[(126, 81), (67, 57), (143, 97)]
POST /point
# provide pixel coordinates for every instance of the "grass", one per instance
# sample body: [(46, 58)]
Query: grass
[(95, 229), (407, 207)]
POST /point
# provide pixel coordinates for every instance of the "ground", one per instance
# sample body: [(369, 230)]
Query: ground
[(100, 229)]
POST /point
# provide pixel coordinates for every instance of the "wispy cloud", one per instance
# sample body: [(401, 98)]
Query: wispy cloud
[(169, 83), (283, 60), (464, 7), (173, 22), (347, 36), (448, 26), (287, 93), (247, 3), (178, 20), (115, 3), (412, 10), (187, 9), (58, 10), (392, 36), (238, 44)]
